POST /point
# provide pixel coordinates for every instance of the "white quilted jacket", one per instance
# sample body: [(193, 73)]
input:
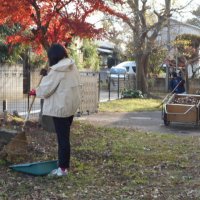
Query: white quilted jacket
[(60, 89)]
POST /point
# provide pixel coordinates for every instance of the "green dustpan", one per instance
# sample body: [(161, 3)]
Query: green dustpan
[(36, 168)]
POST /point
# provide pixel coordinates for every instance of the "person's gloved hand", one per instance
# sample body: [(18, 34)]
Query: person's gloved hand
[(32, 92), (43, 72)]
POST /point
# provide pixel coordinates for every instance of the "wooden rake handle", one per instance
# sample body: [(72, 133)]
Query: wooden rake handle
[(31, 105), (169, 94)]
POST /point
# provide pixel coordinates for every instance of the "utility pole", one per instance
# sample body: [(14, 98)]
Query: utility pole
[(168, 7)]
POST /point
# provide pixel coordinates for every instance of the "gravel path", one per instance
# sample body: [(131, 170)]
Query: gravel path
[(145, 121)]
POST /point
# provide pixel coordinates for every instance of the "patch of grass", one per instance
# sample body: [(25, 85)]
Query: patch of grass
[(2, 162), (130, 105), (114, 163)]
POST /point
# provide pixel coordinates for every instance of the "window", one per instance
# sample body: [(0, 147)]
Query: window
[(134, 68)]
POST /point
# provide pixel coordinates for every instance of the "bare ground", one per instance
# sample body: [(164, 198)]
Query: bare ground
[(146, 121)]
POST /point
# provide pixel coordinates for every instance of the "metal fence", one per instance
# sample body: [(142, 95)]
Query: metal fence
[(95, 87), (13, 99), (11, 90), (112, 85)]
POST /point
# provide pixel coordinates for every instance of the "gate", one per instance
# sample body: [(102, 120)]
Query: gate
[(112, 85)]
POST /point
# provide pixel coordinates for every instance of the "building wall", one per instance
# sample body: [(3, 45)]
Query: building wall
[(159, 85), (177, 28)]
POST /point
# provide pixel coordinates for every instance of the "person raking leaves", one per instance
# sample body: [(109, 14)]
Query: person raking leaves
[(60, 89), (177, 84)]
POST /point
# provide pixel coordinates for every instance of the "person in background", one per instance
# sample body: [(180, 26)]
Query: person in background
[(177, 84), (60, 89)]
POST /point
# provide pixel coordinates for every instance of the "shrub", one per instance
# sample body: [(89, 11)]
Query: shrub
[(130, 93)]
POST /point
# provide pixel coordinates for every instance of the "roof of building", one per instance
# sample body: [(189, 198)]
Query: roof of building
[(105, 44), (174, 21)]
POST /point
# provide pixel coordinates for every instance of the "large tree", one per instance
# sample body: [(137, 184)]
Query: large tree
[(145, 34), (146, 18), (43, 22), (9, 54)]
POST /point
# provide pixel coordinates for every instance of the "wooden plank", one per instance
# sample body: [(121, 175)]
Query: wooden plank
[(182, 113)]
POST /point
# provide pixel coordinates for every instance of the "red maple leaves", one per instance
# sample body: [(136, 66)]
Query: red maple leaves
[(43, 22)]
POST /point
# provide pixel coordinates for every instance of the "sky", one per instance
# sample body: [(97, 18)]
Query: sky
[(187, 5), (186, 12)]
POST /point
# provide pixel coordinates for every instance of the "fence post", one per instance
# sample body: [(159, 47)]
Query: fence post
[(5, 112), (26, 72), (4, 105), (99, 87), (28, 98), (109, 79), (118, 87)]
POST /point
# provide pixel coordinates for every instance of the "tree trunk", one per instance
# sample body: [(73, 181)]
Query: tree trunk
[(141, 79), (144, 37)]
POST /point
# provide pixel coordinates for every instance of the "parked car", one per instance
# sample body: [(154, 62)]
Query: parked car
[(118, 70), (116, 75), (130, 66)]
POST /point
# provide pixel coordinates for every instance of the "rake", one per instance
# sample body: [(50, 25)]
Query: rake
[(168, 95), (19, 143)]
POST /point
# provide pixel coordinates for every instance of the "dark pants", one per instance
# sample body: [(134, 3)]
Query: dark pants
[(62, 127)]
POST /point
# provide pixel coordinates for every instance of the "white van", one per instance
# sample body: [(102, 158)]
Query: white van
[(129, 65)]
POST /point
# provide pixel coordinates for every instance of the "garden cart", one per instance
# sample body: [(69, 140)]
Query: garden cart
[(182, 108)]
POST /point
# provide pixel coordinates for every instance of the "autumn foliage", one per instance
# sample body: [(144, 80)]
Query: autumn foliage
[(44, 22)]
